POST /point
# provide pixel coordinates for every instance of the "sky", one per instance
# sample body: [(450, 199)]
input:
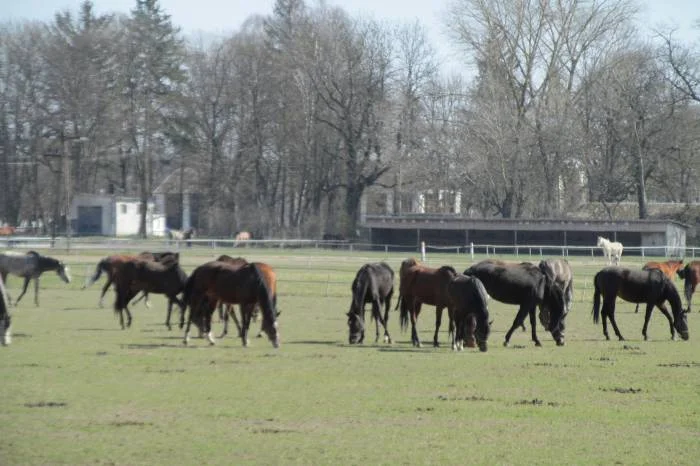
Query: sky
[(223, 16)]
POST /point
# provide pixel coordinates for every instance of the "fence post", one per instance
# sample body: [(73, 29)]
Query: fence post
[(328, 283), (386, 249), (471, 250), (422, 251)]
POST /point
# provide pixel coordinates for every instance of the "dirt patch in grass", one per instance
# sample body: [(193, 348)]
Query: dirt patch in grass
[(625, 390), (46, 404), (537, 402), (130, 423), (464, 398), (680, 364)]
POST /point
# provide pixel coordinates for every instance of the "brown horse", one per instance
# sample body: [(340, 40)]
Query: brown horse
[(419, 285), (218, 281), (139, 274), (670, 268), (7, 230), (691, 277)]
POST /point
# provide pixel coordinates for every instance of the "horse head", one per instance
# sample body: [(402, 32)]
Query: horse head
[(553, 310), (356, 327), (63, 271)]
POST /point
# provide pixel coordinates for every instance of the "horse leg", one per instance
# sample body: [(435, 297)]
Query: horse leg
[(104, 291), (665, 312), (385, 322), (128, 316), (438, 322), (207, 324), (647, 316), (24, 289), (533, 324), (517, 322), (415, 310), (611, 315), (246, 313), (36, 291)]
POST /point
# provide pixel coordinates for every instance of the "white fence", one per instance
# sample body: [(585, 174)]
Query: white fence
[(78, 243)]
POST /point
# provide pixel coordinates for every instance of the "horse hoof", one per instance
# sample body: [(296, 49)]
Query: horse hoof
[(537, 343), (505, 343)]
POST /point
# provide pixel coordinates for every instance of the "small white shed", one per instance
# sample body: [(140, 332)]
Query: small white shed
[(107, 215)]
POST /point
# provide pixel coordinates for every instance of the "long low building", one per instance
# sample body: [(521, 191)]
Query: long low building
[(453, 230)]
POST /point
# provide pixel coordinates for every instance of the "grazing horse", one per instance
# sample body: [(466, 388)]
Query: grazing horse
[(218, 281), (419, 284), (5, 316), (690, 275), (138, 274), (242, 236), (109, 264), (373, 283), (526, 285), (30, 266), (611, 249), (560, 272), (470, 310), (670, 268), (637, 286)]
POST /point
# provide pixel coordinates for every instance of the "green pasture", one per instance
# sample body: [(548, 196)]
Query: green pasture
[(77, 390)]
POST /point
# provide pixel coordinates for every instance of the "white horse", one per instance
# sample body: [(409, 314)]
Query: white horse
[(611, 249)]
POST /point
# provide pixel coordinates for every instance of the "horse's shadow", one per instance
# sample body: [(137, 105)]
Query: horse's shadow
[(154, 346), (315, 342)]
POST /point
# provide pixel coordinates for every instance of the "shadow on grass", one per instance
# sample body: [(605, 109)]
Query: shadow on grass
[(156, 346), (315, 342)]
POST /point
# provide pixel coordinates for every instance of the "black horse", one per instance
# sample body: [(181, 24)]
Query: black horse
[(30, 266), (559, 271), (470, 312), (638, 286), (526, 285), (374, 283)]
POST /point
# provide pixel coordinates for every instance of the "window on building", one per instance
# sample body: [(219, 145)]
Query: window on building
[(123, 208)]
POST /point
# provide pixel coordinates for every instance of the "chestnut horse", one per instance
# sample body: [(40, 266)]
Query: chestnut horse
[(670, 268), (218, 281), (419, 284), (637, 286), (690, 276)]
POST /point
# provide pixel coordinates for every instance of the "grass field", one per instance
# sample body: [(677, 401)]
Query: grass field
[(78, 390)]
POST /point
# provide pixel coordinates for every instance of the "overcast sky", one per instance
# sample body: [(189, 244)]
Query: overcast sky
[(221, 16)]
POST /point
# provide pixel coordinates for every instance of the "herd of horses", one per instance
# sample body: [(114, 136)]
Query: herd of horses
[(229, 281)]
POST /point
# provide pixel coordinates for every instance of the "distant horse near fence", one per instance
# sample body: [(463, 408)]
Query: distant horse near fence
[(7, 230), (181, 235), (611, 249)]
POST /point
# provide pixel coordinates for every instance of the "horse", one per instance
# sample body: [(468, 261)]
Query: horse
[(373, 283), (140, 274), (218, 281), (181, 235), (30, 266), (611, 249), (242, 236), (690, 275), (109, 264), (526, 285), (670, 268), (560, 272), (5, 316), (236, 262), (638, 286), (470, 312), (7, 230), (419, 284)]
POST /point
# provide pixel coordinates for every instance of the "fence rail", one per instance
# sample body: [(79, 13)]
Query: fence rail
[(525, 250)]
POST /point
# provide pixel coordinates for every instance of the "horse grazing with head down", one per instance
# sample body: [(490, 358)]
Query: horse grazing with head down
[(218, 281), (419, 284), (470, 312), (143, 275), (611, 249), (637, 286), (670, 268), (526, 285), (561, 273), (30, 266), (690, 275), (373, 283)]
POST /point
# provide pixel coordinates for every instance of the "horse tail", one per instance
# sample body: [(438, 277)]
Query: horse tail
[(101, 265), (596, 300), (188, 288)]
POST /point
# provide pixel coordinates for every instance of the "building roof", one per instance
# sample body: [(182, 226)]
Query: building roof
[(456, 222)]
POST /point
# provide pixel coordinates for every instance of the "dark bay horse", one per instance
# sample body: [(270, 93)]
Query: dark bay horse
[(670, 268), (218, 281), (470, 312), (143, 275), (637, 286), (559, 271), (419, 284), (690, 275), (373, 283), (109, 264), (5, 316), (30, 266), (526, 285)]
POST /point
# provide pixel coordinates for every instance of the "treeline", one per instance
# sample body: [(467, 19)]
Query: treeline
[(290, 120)]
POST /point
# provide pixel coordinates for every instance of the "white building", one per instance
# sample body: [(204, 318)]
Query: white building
[(108, 215)]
